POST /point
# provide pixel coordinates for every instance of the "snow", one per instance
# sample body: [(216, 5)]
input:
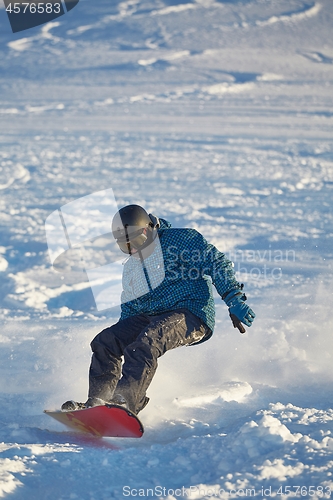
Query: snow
[(212, 114)]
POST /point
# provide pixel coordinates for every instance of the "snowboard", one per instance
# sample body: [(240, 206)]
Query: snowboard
[(101, 421)]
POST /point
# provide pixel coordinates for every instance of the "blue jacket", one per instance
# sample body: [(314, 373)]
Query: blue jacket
[(178, 274)]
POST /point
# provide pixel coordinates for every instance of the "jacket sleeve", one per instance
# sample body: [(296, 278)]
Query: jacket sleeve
[(220, 269)]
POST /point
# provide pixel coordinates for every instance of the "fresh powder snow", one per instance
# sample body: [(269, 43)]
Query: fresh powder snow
[(213, 114)]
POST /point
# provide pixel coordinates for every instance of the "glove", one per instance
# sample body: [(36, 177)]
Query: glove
[(239, 312)]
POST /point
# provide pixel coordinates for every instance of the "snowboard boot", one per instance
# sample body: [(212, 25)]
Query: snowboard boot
[(143, 404), (90, 403), (72, 406), (119, 400)]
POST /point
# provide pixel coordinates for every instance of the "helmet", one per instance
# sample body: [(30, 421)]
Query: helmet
[(132, 228)]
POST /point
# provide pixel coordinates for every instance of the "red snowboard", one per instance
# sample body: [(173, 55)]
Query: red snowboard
[(101, 421)]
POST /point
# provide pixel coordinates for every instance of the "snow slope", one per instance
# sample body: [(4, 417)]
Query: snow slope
[(215, 115)]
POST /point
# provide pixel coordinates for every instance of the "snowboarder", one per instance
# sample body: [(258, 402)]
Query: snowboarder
[(166, 302)]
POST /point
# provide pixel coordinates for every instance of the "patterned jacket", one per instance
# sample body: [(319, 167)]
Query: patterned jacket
[(178, 274)]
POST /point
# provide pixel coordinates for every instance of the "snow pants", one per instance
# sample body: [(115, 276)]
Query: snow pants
[(140, 340)]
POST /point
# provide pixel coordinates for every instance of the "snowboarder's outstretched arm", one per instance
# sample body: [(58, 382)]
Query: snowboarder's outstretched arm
[(223, 276)]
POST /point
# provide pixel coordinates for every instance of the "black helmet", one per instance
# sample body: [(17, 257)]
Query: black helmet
[(132, 227)]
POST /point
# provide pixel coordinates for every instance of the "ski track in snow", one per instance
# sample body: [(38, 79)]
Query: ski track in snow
[(215, 115)]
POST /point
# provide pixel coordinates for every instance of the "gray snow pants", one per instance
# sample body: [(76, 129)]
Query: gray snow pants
[(141, 340)]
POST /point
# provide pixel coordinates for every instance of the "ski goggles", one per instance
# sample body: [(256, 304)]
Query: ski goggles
[(135, 240)]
